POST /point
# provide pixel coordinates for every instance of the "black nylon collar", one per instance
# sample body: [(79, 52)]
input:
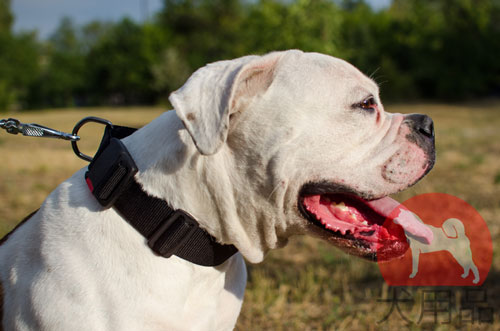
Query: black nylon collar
[(110, 178)]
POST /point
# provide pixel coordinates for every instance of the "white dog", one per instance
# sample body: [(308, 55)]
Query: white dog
[(258, 149)]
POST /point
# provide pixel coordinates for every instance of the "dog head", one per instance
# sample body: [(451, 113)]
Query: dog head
[(307, 148)]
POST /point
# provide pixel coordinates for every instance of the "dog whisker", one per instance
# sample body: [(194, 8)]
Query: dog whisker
[(272, 192), (373, 74)]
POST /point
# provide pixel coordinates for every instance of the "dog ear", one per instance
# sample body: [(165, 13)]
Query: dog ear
[(217, 90)]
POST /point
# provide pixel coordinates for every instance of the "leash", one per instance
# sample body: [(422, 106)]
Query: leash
[(13, 126), (111, 179)]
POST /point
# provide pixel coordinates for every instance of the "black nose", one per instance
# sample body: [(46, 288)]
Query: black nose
[(422, 124)]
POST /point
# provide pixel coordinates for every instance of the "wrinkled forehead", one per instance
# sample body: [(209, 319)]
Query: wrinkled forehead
[(326, 74)]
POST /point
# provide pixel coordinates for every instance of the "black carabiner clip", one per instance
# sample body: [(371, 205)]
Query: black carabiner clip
[(77, 128)]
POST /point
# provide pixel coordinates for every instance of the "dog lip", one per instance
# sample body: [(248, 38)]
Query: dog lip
[(326, 187)]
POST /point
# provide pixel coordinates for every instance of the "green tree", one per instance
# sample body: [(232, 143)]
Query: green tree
[(202, 30), (310, 25), (169, 72), (18, 61), (119, 67), (436, 49), (61, 81), (5, 17)]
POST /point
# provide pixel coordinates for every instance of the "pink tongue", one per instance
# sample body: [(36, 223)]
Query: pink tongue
[(406, 219)]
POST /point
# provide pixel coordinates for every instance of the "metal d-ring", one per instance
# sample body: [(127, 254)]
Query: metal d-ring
[(77, 128)]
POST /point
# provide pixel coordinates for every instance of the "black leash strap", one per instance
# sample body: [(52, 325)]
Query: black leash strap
[(168, 232)]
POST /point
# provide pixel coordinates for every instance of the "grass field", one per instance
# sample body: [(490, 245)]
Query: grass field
[(308, 285)]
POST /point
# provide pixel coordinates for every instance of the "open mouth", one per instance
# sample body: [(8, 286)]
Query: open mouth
[(371, 229)]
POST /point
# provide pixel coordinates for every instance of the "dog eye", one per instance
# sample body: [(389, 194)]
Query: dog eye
[(367, 104)]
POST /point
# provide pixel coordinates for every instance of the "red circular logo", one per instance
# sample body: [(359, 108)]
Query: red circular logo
[(459, 254)]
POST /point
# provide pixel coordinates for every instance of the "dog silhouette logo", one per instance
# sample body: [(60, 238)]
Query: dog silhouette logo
[(450, 237), (459, 254)]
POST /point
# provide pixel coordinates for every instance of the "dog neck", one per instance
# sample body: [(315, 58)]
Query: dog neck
[(172, 169)]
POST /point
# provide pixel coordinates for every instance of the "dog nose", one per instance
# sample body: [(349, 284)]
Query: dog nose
[(422, 124)]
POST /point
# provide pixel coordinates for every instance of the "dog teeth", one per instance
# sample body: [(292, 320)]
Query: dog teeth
[(364, 223), (340, 206), (345, 209), (331, 227)]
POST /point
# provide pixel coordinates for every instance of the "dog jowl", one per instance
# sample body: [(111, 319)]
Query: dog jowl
[(257, 149)]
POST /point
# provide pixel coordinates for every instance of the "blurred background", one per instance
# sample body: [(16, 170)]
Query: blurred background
[(72, 53), (62, 60)]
